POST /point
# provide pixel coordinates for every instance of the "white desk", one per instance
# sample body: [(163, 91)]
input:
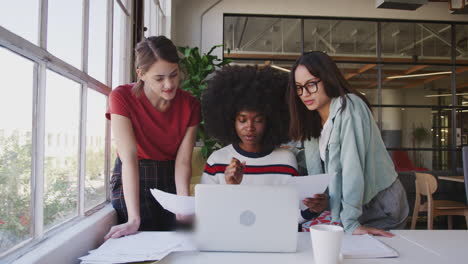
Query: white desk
[(414, 247)]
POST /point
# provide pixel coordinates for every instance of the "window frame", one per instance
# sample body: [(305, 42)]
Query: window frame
[(453, 62), (44, 60)]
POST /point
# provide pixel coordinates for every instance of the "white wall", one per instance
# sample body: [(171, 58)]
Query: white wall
[(187, 15)]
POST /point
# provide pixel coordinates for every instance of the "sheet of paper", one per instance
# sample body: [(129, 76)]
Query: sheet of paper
[(176, 204), (271, 179), (143, 246), (307, 186), (365, 246)]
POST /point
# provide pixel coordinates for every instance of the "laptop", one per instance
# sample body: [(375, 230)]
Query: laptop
[(246, 218)]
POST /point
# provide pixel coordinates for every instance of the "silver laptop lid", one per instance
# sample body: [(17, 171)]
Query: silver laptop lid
[(249, 218)]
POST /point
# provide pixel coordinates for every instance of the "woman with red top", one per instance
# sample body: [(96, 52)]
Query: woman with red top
[(154, 124)]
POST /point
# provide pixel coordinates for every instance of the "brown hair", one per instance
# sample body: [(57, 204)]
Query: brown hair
[(304, 123), (149, 51)]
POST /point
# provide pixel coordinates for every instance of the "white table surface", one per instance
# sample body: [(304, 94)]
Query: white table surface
[(414, 247)]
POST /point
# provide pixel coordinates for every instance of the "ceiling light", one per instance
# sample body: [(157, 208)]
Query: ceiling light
[(418, 75), (444, 95), (280, 68)]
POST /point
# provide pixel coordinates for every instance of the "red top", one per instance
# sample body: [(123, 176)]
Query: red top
[(157, 134)]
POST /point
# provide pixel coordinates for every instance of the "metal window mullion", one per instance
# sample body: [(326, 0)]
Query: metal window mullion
[(109, 66), (454, 100), (127, 47), (379, 76), (37, 159), (39, 95), (83, 111), (302, 36)]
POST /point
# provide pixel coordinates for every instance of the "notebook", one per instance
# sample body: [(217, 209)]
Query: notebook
[(365, 246)]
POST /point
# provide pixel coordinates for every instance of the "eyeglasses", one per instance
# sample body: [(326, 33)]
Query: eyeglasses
[(310, 86)]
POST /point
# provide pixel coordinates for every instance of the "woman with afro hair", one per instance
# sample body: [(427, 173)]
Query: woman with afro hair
[(245, 109)]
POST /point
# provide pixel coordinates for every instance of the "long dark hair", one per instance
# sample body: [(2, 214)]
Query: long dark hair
[(305, 124), (150, 50)]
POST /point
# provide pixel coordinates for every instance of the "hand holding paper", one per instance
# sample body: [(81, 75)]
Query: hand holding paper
[(307, 186), (183, 205)]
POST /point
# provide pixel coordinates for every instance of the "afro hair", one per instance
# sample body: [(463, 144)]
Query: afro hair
[(233, 89)]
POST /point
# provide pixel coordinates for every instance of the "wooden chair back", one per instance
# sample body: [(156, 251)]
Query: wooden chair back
[(426, 184)]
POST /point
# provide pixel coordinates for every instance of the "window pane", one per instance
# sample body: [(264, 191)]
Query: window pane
[(422, 128), (117, 52), (341, 37), (22, 18), (462, 127), (95, 149), (17, 74), (410, 127), (64, 34), (260, 34), (151, 21), (97, 40), (362, 77), (462, 85), (400, 86), (462, 43), (61, 156), (416, 41)]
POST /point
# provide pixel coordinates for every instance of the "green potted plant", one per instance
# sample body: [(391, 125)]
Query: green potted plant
[(197, 68)]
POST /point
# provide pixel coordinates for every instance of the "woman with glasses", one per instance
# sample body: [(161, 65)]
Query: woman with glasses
[(340, 136)]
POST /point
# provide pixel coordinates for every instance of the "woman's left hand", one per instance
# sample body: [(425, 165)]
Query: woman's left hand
[(363, 230), (317, 204)]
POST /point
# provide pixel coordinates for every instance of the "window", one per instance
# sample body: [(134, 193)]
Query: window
[(41, 145), (15, 148), (97, 40), (155, 18), (22, 18), (117, 48), (64, 39), (95, 153), (62, 117), (404, 68)]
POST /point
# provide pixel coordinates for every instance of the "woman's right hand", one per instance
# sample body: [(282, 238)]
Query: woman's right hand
[(364, 230), (234, 172), (131, 227)]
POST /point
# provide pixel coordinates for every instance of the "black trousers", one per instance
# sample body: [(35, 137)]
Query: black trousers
[(152, 174)]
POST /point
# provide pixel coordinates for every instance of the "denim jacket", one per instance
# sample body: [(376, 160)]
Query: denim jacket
[(357, 155)]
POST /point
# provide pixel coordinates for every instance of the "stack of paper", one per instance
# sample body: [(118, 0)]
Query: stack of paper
[(143, 246), (365, 246)]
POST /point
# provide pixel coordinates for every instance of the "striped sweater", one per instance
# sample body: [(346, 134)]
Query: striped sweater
[(277, 162), (270, 168)]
